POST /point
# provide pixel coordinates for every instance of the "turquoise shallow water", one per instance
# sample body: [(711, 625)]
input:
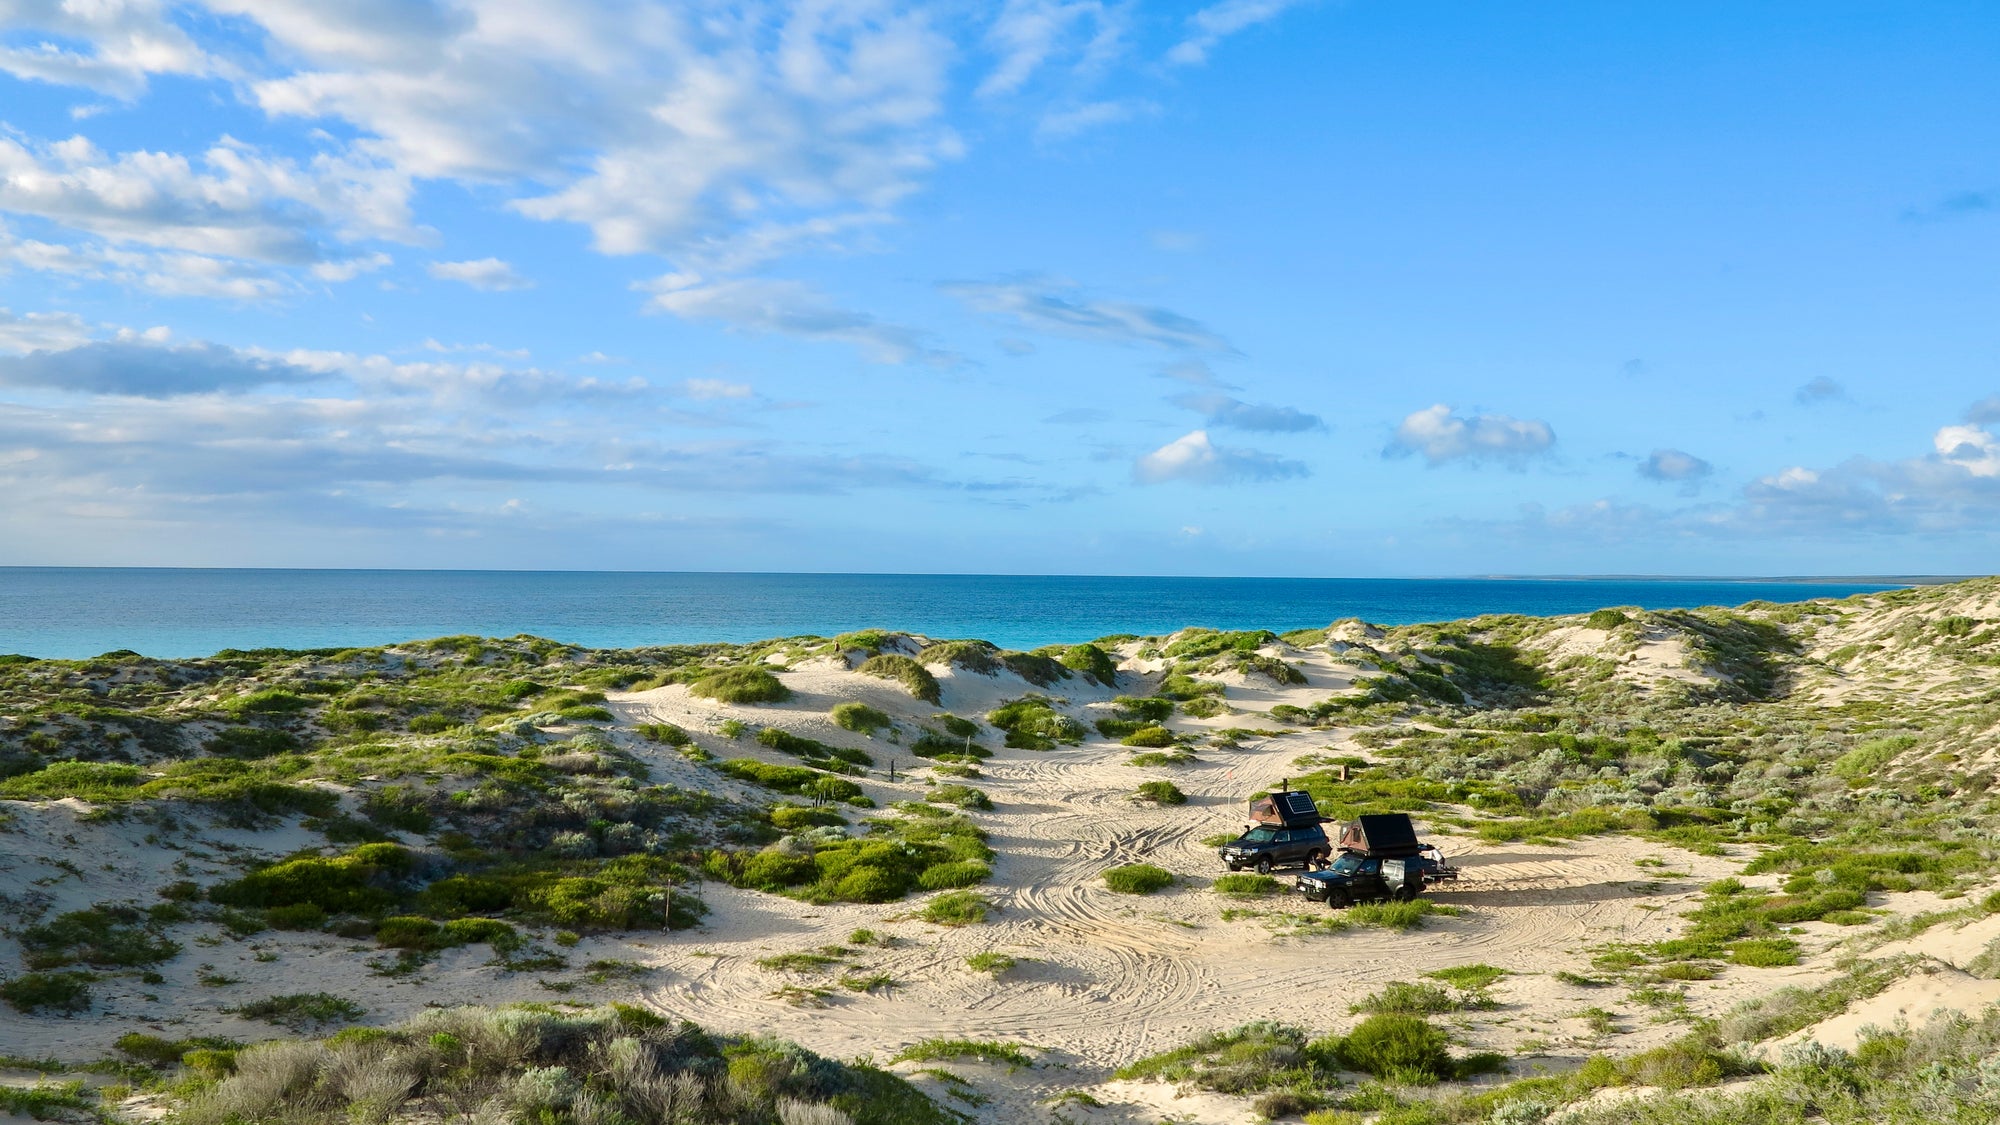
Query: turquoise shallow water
[(77, 612)]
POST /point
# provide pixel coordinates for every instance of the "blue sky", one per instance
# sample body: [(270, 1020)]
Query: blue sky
[(1246, 287)]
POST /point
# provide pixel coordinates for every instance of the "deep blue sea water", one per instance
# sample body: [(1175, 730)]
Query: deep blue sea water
[(77, 612)]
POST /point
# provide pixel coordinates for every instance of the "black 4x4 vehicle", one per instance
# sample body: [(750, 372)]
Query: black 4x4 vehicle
[(1363, 878), (1267, 846)]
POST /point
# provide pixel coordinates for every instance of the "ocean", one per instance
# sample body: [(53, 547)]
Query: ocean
[(76, 612)]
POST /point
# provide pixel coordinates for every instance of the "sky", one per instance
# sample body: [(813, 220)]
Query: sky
[(1257, 287)]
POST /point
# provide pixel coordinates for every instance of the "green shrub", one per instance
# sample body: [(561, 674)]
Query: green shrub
[(800, 780), (298, 1009), (1138, 879), (354, 883), (269, 702), (1397, 1047), (860, 718), (1765, 953), (157, 1051), (1163, 792), (741, 685), (1606, 619), (954, 874), (956, 908), (960, 1050), (96, 782), (995, 964), (1154, 737), (66, 993), (812, 749), (1397, 915), (1093, 662), (1867, 759), (1475, 978), (964, 796), (251, 742), (915, 678), (1153, 710), (103, 937), (973, 656), (1032, 723), (665, 733), (791, 818), (1247, 886), (1410, 999)]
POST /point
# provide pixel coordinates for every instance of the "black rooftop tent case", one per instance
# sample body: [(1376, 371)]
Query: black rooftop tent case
[(1390, 835), (1291, 808)]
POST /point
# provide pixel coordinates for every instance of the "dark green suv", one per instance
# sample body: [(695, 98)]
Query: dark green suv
[(1268, 846)]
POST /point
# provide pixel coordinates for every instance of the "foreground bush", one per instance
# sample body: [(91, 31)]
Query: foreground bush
[(526, 1064), (1163, 792), (741, 685), (1032, 723)]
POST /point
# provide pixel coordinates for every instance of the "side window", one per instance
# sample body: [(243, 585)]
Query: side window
[(1284, 838), (1371, 866)]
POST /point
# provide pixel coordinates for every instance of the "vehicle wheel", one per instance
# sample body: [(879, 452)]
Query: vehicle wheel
[(1336, 901), (1407, 894), (1264, 866)]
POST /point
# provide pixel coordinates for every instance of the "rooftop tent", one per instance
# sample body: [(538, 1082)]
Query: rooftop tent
[(1290, 808), (1381, 834)]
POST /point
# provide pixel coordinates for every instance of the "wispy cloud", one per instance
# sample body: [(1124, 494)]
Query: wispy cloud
[(147, 370), (1211, 25), (1819, 390), (1193, 459), (490, 275), (1442, 436), (1059, 309), (790, 308), (1235, 414)]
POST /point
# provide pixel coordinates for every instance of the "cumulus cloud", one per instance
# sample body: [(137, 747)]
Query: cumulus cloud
[(147, 370), (1820, 389), (1442, 436), (1673, 465), (125, 42), (1230, 413), (1057, 309), (50, 331), (490, 275), (1193, 459), (1211, 25), (790, 308)]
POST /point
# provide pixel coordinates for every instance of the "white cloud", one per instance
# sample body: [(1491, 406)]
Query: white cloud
[(1053, 307), (1062, 124), (347, 269), (1443, 436), (708, 390), (1027, 33), (1230, 413), (233, 202), (1193, 459), (1970, 448), (46, 331), (1211, 25), (789, 308), (489, 275), (1984, 412), (146, 369), (1674, 465), (128, 40)]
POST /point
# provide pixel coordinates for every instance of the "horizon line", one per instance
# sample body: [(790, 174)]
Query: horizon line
[(1863, 579)]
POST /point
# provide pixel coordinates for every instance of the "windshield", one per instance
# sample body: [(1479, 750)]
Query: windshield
[(1260, 836), (1346, 865)]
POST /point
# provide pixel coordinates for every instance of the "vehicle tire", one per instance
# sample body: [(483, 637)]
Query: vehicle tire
[(1407, 894), (1264, 866), (1337, 900)]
